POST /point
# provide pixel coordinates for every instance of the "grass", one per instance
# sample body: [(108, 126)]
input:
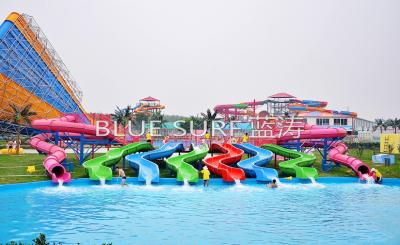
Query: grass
[(11, 165)]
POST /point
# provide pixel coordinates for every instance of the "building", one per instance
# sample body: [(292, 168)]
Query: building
[(286, 105), (148, 105), (351, 124)]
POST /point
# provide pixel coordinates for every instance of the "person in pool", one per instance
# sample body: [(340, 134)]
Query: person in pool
[(206, 176), (121, 173), (377, 175), (273, 184)]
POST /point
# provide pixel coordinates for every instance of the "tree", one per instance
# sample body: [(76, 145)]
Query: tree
[(122, 116), (360, 149), (21, 116), (379, 123), (395, 124), (209, 117), (139, 118), (41, 240), (389, 123), (198, 122), (157, 116)]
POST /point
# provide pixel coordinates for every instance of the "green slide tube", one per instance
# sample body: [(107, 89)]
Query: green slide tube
[(99, 167), (181, 164), (299, 162)]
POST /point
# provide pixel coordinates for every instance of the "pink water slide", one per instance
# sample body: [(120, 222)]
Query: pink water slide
[(338, 154), (56, 154), (338, 151)]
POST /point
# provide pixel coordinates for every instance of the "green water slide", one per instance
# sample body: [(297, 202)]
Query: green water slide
[(181, 164), (99, 167), (299, 162)]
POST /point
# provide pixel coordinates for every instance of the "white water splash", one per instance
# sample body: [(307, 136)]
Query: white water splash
[(60, 182), (238, 183), (102, 181), (186, 183), (288, 186), (148, 181), (314, 183), (369, 179)]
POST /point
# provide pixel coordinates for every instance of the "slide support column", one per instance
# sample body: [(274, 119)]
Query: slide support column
[(324, 164), (81, 149)]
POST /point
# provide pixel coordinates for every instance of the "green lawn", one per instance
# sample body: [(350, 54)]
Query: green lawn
[(16, 165)]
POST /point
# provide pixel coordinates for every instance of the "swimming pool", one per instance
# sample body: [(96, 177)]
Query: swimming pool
[(335, 211)]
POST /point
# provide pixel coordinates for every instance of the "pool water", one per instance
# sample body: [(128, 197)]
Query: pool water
[(249, 213)]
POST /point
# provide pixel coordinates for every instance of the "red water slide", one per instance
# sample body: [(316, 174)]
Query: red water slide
[(56, 154), (219, 164)]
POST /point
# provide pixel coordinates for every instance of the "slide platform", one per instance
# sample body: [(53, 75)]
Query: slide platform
[(297, 165), (181, 164), (99, 167), (142, 162), (218, 164), (253, 166)]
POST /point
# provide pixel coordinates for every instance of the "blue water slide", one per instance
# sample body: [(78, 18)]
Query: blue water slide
[(253, 166), (136, 106), (142, 162), (312, 103)]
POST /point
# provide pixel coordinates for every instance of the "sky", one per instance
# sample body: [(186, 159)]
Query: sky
[(193, 55)]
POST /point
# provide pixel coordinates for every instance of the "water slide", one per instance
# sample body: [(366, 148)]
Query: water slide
[(338, 154), (146, 109), (244, 108), (142, 162), (313, 105), (56, 154), (253, 166), (338, 151), (99, 167), (218, 164), (181, 164), (313, 132), (299, 162)]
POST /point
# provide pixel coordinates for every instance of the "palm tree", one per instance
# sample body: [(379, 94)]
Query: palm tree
[(122, 116), (140, 118), (379, 123), (197, 122), (388, 123), (209, 117), (396, 124), (157, 116), (21, 115)]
